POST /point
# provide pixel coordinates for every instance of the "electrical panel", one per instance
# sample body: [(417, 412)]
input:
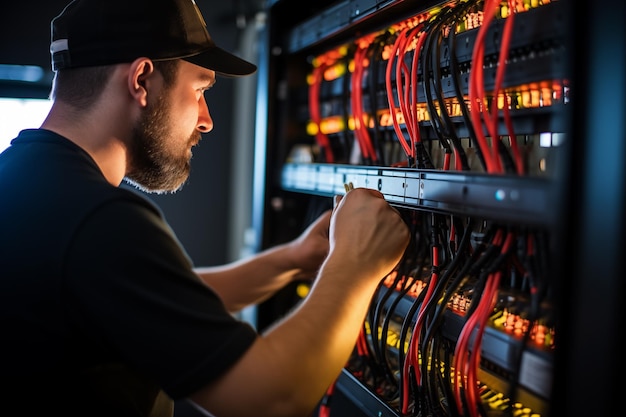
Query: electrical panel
[(459, 113)]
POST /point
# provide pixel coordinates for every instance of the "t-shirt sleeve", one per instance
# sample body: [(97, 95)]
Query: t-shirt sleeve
[(132, 292)]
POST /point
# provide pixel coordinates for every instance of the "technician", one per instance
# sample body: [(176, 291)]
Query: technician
[(101, 311)]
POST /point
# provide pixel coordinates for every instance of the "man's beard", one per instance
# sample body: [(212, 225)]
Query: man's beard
[(152, 167)]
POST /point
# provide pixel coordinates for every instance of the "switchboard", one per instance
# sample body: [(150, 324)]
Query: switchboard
[(460, 114)]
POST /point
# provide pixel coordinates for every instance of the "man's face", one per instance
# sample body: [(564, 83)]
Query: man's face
[(170, 125)]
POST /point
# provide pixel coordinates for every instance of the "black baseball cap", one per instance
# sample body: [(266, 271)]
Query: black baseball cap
[(103, 32)]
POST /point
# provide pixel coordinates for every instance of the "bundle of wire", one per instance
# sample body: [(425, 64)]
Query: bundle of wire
[(320, 65), (466, 360), (361, 132), (456, 264), (406, 89), (480, 113)]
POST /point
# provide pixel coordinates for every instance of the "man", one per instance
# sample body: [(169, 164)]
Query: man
[(102, 312)]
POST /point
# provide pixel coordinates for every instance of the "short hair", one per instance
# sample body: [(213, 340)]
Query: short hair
[(168, 69), (82, 87)]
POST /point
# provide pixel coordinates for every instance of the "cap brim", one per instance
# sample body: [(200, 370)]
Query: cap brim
[(222, 62)]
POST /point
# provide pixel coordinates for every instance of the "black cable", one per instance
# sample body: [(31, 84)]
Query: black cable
[(409, 281), (425, 399), (434, 381), (381, 367), (445, 376), (378, 345), (433, 54), (489, 262), (534, 267), (425, 60), (456, 83), (444, 284), (496, 264), (409, 316), (434, 311), (404, 329), (505, 156), (444, 244)]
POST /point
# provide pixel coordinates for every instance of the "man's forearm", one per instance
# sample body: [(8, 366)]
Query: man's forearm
[(251, 280)]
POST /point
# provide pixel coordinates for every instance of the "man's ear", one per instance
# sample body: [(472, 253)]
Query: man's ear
[(139, 77)]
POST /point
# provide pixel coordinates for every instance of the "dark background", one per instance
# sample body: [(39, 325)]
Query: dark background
[(199, 213)]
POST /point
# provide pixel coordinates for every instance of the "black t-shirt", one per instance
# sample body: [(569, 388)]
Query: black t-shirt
[(100, 311)]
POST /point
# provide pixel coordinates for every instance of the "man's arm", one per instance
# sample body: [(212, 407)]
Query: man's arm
[(288, 368), (254, 279)]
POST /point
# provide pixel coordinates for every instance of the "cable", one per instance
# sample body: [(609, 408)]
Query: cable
[(476, 87), (422, 157), (456, 83), (409, 282), (504, 52), (360, 122), (431, 74), (324, 407), (375, 58), (314, 109), (407, 378), (391, 100), (494, 156), (447, 134), (379, 344), (481, 256)]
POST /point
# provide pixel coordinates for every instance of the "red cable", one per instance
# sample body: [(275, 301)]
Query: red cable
[(361, 343), (491, 126), (452, 238), (353, 101), (368, 138), (414, 83), (517, 156), (410, 362), (360, 122), (412, 356), (460, 364), (314, 110), (356, 98), (392, 107), (403, 82), (462, 360), (324, 408), (502, 58), (458, 164), (490, 297), (446, 161), (476, 87)]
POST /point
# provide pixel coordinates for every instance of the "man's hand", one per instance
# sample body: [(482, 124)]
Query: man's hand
[(310, 249)]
